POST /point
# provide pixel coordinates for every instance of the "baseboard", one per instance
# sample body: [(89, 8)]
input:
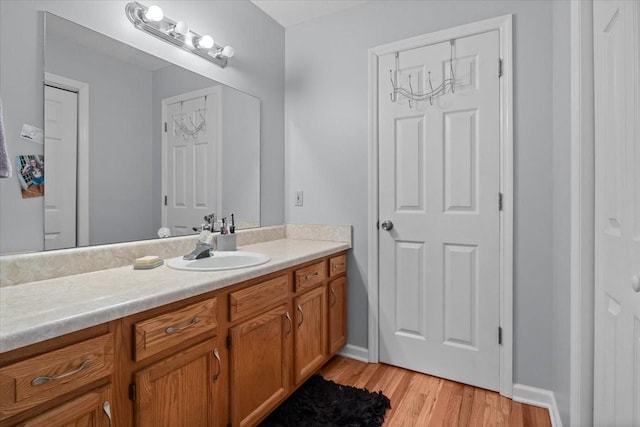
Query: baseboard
[(538, 397), (355, 352)]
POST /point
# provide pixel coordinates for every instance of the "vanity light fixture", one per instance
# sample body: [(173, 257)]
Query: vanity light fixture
[(152, 20)]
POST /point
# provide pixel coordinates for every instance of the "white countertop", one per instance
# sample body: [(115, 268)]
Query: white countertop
[(37, 311)]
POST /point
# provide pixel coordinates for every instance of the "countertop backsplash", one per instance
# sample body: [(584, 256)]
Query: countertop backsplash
[(31, 267)]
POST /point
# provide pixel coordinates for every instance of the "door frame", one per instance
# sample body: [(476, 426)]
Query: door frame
[(82, 173), (582, 281), (163, 166), (503, 24)]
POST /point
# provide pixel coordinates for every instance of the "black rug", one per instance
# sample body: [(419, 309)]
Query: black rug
[(323, 403)]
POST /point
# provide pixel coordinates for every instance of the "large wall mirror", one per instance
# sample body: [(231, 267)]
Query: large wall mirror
[(134, 143)]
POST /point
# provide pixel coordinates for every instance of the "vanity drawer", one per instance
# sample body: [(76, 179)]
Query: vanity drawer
[(167, 330), (310, 276), (36, 380), (258, 298), (337, 265)]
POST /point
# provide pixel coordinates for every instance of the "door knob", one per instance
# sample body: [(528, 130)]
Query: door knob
[(386, 225), (635, 283)]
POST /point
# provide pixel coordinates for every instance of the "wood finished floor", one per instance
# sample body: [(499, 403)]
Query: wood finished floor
[(422, 400)]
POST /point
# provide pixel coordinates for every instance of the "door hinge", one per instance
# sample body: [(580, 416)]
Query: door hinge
[(499, 71), (165, 126), (499, 201), (499, 335), (132, 391), (378, 225), (165, 200), (229, 342)]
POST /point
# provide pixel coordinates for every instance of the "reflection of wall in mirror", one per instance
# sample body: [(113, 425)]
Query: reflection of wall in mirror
[(241, 157), (120, 172)]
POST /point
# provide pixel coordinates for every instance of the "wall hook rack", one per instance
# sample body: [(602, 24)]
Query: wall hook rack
[(441, 89)]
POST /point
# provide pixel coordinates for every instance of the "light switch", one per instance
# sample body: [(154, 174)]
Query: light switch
[(298, 198)]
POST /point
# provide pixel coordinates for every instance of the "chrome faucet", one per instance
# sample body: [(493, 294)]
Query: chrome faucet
[(204, 248)]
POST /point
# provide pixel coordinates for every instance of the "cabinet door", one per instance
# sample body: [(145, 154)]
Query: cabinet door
[(337, 314), (260, 349), (311, 332), (92, 409), (179, 390)]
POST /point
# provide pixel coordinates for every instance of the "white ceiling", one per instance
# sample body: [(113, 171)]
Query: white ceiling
[(292, 12)]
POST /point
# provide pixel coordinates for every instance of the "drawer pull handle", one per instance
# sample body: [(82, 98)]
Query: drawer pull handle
[(310, 276), (301, 315), (217, 356), (337, 266), (335, 297), (288, 316), (106, 407), (45, 379), (175, 329)]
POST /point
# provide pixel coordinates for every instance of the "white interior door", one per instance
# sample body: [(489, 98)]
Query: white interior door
[(191, 157), (617, 256), (60, 156), (439, 184)]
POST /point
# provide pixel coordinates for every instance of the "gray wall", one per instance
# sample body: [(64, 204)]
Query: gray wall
[(121, 148), (257, 68), (326, 146), (21, 220)]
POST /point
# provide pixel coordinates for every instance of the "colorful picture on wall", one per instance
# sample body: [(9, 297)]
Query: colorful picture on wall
[(31, 176)]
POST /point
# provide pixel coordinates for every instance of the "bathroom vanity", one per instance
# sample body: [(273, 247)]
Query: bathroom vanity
[(177, 348)]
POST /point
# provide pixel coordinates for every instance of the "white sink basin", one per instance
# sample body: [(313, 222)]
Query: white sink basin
[(220, 260)]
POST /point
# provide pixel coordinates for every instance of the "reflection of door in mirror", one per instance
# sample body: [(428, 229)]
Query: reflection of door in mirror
[(60, 152), (192, 184)]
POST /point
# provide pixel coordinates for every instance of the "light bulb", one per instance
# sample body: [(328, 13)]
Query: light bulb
[(154, 13), (228, 51), (181, 28), (204, 42)]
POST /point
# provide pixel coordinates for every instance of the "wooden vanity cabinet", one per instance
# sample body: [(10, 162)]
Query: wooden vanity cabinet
[(310, 332), (179, 390), (92, 409), (260, 352), (174, 366), (227, 357), (52, 374), (337, 314)]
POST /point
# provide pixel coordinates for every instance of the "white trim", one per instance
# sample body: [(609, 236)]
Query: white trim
[(538, 397), (355, 352), (503, 25), (372, 289), (582, 226), (82, 191)]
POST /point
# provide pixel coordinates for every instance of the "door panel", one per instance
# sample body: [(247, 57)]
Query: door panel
[(617, 246), (439, 185), (60, 156), (191, 159)]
